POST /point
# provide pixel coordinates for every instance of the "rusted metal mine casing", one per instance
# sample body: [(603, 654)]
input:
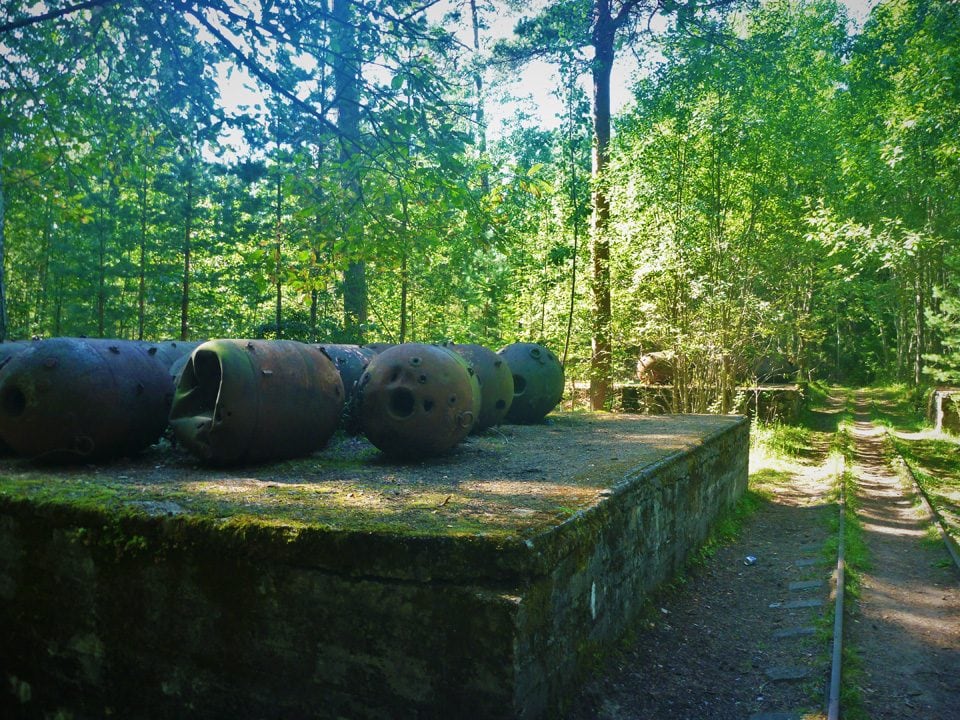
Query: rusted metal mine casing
[(173, 355), (67, 399), (8, 350), (176, 369), (350, 361), (496, 383), (416, 400), (378, 348), (169, 352), (537, 382), (656, 368), (474, 382), (254, 400), (12, 348)]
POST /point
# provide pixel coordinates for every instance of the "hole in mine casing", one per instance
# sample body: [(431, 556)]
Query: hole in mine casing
[(14, 402), (401, 402), (199, 386), (209, 375), (519, 384)]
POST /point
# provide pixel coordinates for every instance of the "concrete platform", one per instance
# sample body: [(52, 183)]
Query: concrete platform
[(482, 584)]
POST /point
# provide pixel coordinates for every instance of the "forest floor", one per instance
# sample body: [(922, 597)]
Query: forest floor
[(742, 639)]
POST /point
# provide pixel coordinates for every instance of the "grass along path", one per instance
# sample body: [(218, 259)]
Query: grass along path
[(935, 463), (934, 458), (734, 640), (906, 626)]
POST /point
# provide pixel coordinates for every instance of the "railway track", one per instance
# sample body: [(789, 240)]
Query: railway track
[(836, 655), (905, 626), (938, 519), (749, 635)]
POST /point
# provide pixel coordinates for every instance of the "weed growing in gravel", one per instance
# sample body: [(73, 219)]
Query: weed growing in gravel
[(851, 697), (933, 462), (842, 441), (856, 555), (899, 407), (778, 439)]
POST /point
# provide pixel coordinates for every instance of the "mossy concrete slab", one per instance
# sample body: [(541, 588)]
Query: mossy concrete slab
[(479, 584)]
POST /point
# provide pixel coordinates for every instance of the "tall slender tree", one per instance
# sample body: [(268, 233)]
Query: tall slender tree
[(569, 27)]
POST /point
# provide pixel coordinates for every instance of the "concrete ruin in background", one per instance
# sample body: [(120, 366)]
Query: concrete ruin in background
[(943, 410)]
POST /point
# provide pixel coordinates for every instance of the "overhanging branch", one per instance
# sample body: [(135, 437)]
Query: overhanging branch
[(260, 72), (52, 15)]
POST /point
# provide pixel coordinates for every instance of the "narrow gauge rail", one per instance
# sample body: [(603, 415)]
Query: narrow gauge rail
[(931, 508), (836, 661)]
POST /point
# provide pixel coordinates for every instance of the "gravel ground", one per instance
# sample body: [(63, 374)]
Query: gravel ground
[(735, 638)]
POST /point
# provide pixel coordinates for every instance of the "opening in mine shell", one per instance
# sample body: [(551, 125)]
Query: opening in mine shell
[(401, 402), (14, 402), (208, 375), (199, 387), (519, 384)]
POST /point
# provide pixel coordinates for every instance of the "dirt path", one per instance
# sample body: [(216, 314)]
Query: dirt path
[(906, 629), (737, 640)]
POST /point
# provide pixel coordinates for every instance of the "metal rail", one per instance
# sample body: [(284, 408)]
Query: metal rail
[(833, 701), (938, 518)]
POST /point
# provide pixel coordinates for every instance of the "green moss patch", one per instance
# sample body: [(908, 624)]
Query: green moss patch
[(514, 481)]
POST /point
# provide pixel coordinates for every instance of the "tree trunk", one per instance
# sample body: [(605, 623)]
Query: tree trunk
[(187, 230), (919, 320), (40, 303), (101, 274), (600, 361), (575, 218), (355, 299), (142, 288), (481, 132), (278, 254), (404, 268), (404, 291), (346, 79), (58, 308), (3, 247)]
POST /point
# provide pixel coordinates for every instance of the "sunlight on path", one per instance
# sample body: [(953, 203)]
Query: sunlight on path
[(907, 628)]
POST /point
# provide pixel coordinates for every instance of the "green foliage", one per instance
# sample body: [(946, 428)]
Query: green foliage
[(559, 30), (711, 184), (729, 525), (902, 128), (781, 192), (139, 219), (899, 406), (945, 365), (779, 439)]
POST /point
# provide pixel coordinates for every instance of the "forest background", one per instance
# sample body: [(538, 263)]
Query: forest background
[(781, 189)]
